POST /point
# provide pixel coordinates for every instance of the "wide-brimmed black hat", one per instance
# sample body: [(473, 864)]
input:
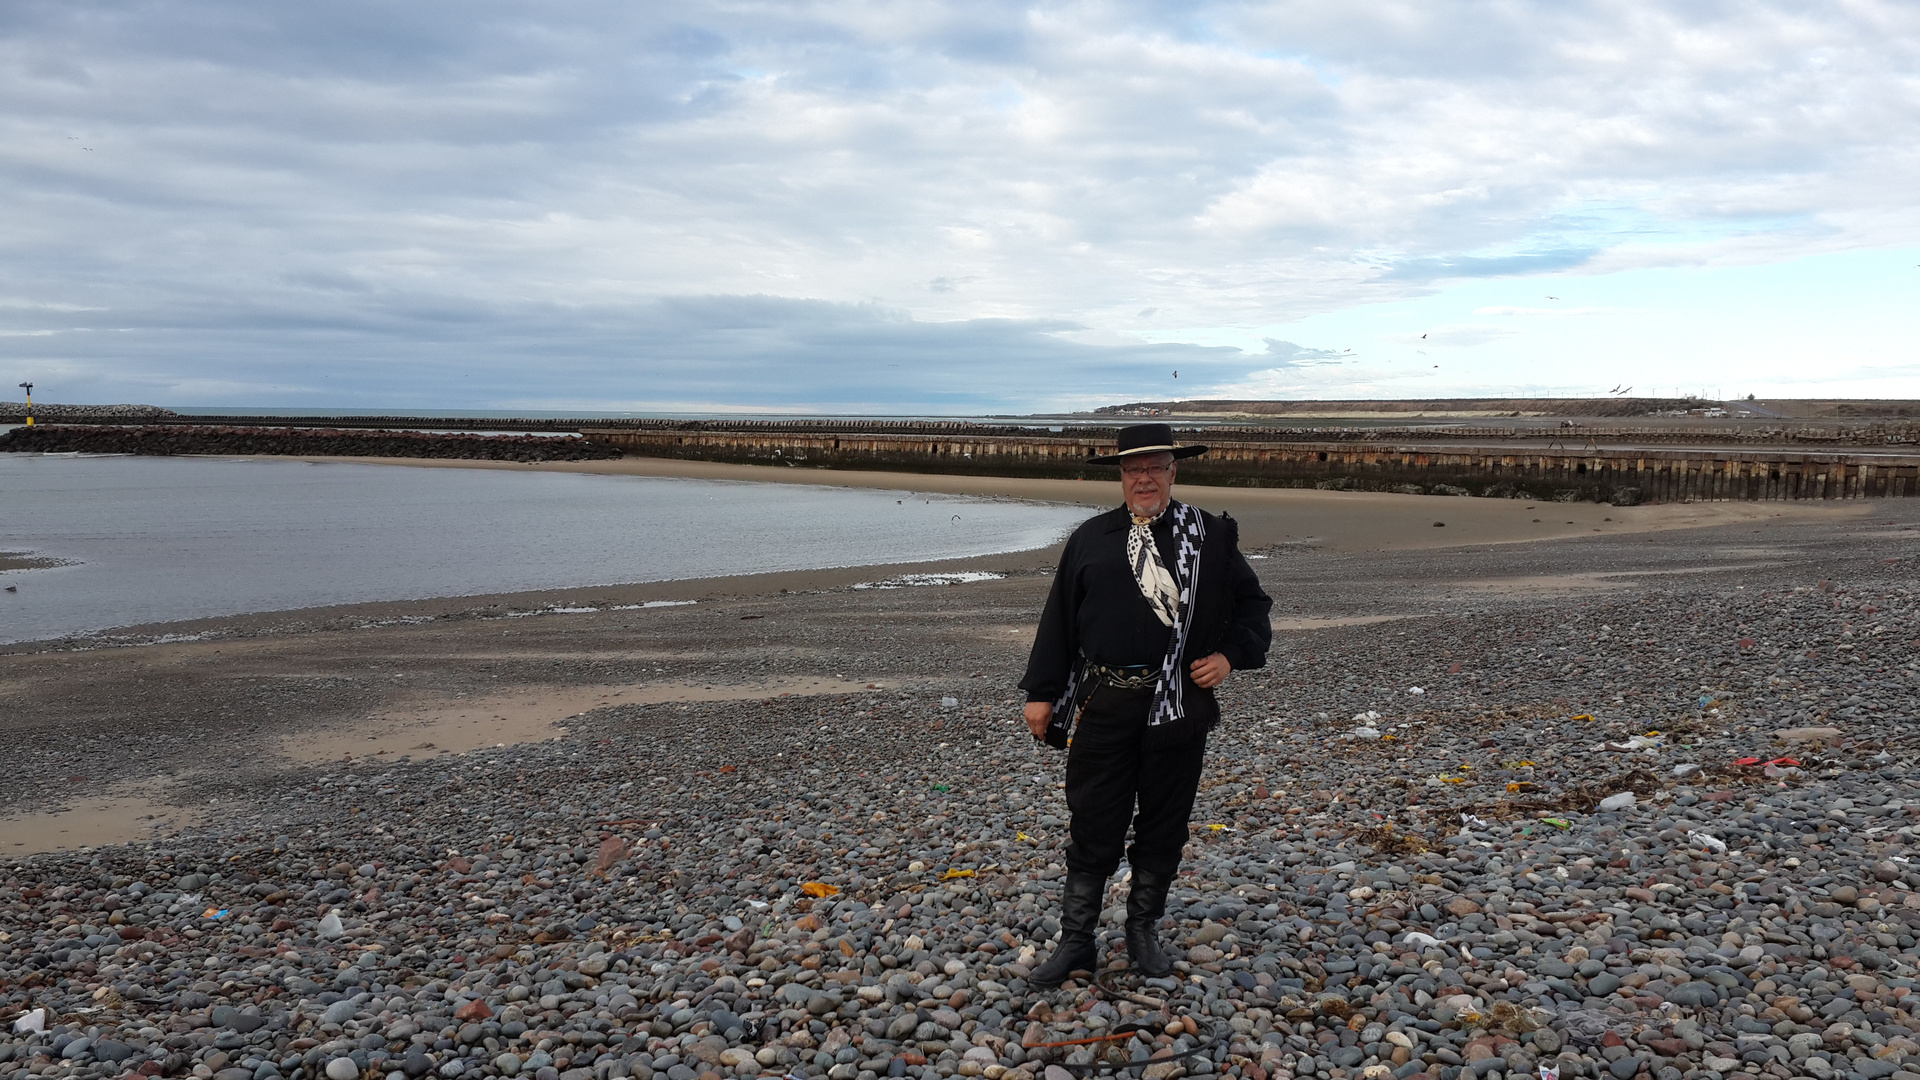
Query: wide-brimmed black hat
[(1146, 439)]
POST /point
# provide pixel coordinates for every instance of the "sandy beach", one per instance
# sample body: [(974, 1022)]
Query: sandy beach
[(297, 683), (789, 824)]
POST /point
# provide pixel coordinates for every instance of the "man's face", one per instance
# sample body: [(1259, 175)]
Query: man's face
[(1146, 482)]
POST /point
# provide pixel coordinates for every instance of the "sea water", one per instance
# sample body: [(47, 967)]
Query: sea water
[(149, 540)]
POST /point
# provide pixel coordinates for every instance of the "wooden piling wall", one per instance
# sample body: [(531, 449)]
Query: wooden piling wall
[(1623, 476)]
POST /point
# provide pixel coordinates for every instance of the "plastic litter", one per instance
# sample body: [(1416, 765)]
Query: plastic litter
[(1784, 761), (1416, 691), (1367, 717), (31, 1023), (1618, 802), (1469, 819), (819, 889), (330, 925), (1549, 1072), (1558, 823), (955, 872), (1708, 840), (1808, 734), (215, 913), (949, 702), (1364, 733), (1421, 941), (1686, 770), (1638, 742)]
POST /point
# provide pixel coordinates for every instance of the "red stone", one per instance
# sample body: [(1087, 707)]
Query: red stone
[(1611, 1039), (612, 850), (477, 1009), (459, 865)]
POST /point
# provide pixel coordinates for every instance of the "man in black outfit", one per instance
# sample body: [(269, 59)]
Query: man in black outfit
[(1152, 607)]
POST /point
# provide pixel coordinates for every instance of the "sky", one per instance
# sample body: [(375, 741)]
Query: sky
[(874, 207)]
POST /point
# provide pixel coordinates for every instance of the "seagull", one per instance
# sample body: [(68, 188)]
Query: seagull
[(1423, 337), (1176, 374), (1615, 390), (1553, 298)]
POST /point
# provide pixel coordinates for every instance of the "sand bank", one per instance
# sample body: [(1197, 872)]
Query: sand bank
[(1269, 517)]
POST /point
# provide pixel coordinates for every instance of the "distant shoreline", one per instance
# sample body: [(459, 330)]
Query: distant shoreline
[(1268, 517)]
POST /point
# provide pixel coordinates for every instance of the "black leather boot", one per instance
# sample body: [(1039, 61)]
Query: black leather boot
[(1146, 902), (1079, 915)]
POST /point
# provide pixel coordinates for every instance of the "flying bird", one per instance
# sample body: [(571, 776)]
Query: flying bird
[(1615, 390), (1176, 374), (1423, 337), (1553, 298)]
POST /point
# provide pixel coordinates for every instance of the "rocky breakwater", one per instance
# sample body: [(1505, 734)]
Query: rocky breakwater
[(1462, 883), (15, 412), (300, 442)]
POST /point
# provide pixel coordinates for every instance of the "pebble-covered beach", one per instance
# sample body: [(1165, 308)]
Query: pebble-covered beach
[(1535, 820)]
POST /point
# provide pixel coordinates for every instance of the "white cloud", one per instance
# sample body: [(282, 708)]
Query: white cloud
[(643, 202), (1541, 312)]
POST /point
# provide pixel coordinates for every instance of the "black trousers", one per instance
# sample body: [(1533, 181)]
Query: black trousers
[(1112, 779)]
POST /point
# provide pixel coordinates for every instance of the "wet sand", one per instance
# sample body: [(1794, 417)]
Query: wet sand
[(20, 560), (433, 725)]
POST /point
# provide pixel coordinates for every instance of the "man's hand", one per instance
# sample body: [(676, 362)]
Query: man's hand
[(1039, 715), (1208, 671)]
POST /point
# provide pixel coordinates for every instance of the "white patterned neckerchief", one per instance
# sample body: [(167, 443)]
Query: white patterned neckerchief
[(1163, 596), (1169, 691)]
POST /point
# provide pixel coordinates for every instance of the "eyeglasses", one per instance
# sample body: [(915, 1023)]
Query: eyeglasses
[(1135, 472)]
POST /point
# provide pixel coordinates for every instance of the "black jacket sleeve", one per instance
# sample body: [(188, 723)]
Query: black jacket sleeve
[(1251, 632), (1055, 648)]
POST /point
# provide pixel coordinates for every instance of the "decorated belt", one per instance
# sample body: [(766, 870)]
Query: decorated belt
[(1126, 678)]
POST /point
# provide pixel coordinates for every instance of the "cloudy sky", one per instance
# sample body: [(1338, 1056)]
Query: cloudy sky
[(867, 206)]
